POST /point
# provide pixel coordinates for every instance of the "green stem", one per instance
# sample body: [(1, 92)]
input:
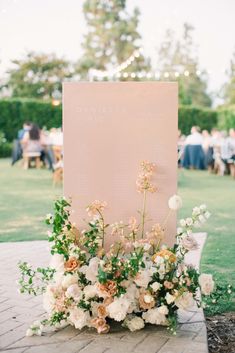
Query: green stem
[(143, 214), (103, 227)]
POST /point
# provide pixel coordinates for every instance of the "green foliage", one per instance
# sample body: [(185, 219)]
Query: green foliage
[(38, 75), (189, 116), (219, 300), (13, 113), (229, 88), (226, 117), (34, 281), (179, 55), (5, 146)]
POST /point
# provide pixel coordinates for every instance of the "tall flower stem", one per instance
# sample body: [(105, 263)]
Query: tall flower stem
[(103, 227), (143, 214)]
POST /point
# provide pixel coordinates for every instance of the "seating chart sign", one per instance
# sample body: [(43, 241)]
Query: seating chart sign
[(109, 128)]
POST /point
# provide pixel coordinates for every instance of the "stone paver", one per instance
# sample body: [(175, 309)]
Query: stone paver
[(18, 311)]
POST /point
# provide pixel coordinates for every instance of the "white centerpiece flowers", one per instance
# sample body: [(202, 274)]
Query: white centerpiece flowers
[(137, 280)]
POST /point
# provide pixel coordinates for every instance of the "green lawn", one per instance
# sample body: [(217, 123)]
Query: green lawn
[(27, 195), (25, 198)]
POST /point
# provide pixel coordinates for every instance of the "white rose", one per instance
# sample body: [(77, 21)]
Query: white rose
[(90, 291), (185, 301), (175, 202), (155, 286), (79, 318), (156, 316), (57, 262), (49, 299), (169, 298), (137, 323), (74, 292), (69, 279), (206, 283), (189, 243), (179, 230), (143, 278), (91, 271), (118, 309)]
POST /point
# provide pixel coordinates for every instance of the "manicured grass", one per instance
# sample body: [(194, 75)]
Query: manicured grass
[(218, 193), (27, 195)]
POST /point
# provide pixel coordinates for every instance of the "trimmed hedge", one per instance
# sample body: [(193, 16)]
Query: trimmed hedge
[(189, 116), (13, 112), (226, 118)]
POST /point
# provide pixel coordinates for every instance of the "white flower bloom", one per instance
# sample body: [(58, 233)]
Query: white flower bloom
[(175, 202), (137, 323), (189, 243), (185, 301), (196, 211), (49, 299), (29, 332), (90, 291), (202, 219), (203, 207), (155, 286), (179, 230), (74, 291), (169, 298), (156, 316), (207, 214), (57, 262), (91, 271), (159, 260), (147, 246), (206, 283), (69, 279), (79, 318), (143, 278), (182, 222), (49, 216), (189, 221), (118, 309), (197, 224)]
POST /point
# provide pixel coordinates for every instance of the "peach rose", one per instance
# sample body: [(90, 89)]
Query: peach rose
[(108, 289), (168, 285), (101, 311), (100, 325), (72, 264), (165, 253), (146, 300)]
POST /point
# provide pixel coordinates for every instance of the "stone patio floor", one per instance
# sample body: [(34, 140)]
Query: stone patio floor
[(18, 311)]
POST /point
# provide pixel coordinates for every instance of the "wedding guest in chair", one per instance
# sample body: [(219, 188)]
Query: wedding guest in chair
[(32, 147)]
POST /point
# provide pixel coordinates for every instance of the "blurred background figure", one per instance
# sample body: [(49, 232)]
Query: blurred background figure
[(194, 157), (17, 148), (32, 146)]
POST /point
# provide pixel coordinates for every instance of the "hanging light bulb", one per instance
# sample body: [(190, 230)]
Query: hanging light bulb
[(125, 74), (157, 74), (186, 73), (166, 74), (133, 75), (177, 74), (198, 72)]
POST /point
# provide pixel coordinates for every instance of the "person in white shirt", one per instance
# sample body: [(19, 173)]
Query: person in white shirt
[(195, 138)]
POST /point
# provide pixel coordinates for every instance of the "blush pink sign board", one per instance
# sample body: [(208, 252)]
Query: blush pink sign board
[(109, 128)]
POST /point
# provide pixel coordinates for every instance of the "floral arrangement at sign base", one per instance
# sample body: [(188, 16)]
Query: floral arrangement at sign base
[(138, 280)]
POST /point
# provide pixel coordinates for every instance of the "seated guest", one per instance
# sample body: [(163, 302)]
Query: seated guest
[(17, 148), (194, 157), (31, 141)]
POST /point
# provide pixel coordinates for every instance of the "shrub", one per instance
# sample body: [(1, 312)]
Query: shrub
[(5, 146), (189, 116), (226, 117), (13, 113)]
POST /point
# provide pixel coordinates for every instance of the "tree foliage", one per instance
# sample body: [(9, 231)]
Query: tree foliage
[(179, 56), (229, 88), (111, 38), (38, 75)]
